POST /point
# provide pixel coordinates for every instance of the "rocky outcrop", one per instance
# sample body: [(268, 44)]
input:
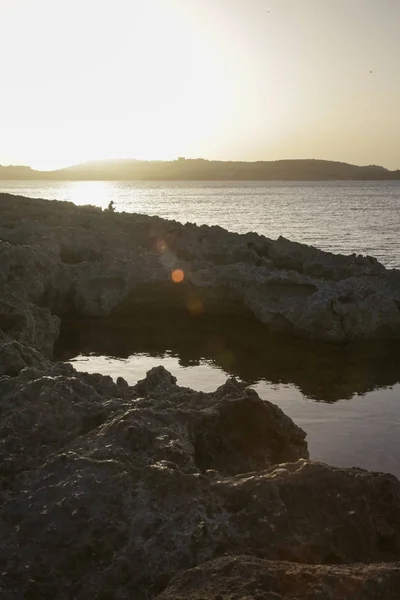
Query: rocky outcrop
[(79, 260), (43, 410), (26, 273), (108, 491), (15, 356)]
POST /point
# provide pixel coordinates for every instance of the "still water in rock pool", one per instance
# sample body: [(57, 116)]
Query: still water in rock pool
[(346, 398)]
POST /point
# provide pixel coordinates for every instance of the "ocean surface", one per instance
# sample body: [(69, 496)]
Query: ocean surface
[(348, 401)]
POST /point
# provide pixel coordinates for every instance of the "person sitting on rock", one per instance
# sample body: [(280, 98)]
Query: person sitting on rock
[(111, 206)]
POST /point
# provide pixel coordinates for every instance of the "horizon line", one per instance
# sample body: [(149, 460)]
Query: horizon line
[(183, 158)]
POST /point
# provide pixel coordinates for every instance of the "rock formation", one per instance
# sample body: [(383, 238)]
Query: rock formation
[(59, 259), (108, 491), (114, 492), (254, 578)]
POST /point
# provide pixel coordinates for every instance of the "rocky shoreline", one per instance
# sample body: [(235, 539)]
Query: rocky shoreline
[(110, 491), (59, 259)]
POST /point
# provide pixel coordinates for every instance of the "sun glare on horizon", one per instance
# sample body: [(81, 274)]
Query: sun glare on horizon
[(158, 80), (218, 79)]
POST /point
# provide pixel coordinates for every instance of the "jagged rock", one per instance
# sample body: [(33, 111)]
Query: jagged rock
[(250, 578), (232, 437), (82, 261), (106, 492), (14, 357), (156, 377), (307, 259), (45, 408), (25, 275)]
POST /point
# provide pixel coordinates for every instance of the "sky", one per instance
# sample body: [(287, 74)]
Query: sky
[(219, 79)]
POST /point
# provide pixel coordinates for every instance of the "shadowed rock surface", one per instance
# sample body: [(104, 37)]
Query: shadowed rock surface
[(96, 476), (250, 578), (108, 491)]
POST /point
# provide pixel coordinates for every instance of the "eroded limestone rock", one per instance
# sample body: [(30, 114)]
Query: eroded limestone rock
[(82, 261)]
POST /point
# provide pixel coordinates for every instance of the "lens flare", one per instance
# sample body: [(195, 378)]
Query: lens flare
[(161, 246), (195, 306), (177, 276)]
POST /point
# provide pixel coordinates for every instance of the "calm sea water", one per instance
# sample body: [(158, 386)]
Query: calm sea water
[(349, 406)]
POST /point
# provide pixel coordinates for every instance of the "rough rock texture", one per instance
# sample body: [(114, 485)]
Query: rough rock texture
[(15, 356), (249, 578), (108, 491), (26, 273), (42, 411), (61, 259)]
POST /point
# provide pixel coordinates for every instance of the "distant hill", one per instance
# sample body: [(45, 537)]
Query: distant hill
[(204, 170), (17, 172)]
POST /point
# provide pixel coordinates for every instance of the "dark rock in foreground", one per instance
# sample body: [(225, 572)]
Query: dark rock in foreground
[(230, 431), (250, 578), (108, 491)]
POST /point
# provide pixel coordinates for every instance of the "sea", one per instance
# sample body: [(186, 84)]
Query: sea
[(347, 399)]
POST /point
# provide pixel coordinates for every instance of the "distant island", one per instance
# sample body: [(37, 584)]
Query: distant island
[(199, 169)]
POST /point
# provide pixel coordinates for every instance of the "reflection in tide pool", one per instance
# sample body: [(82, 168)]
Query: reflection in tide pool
[(203, 377), (361, 432), (346, 399)]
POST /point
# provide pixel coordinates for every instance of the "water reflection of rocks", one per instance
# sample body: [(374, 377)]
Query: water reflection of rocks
[(323, 372)]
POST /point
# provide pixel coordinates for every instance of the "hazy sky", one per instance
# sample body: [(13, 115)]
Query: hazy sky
[(222, 79)]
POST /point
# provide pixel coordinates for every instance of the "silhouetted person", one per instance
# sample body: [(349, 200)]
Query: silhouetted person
[(111, 206)]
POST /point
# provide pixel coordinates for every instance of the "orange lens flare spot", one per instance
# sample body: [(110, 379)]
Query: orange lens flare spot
[(177, 276)]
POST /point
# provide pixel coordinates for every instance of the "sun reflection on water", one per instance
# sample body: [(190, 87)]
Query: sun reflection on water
[(97, 193)]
